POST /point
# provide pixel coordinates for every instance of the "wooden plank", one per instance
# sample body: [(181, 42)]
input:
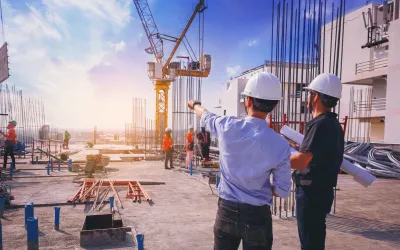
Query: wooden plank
[(128, 191), (125, 182), (144, 192), (83, 197), (102, 200), (75, 196), (97, 195), (82, 190), (116, 194)]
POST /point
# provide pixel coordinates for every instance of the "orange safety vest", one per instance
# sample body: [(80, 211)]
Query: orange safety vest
[(167, 143), (11, 136), (190, 144)]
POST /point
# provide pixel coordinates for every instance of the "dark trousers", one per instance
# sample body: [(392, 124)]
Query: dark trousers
[(237, 222), (205, 151), (313, 205), (168, 157), (66, 142), (8, 151)]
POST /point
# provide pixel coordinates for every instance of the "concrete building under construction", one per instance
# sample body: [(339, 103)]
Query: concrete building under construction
[(368, 66)]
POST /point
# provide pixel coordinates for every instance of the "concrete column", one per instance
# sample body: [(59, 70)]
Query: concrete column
[(392, 117)]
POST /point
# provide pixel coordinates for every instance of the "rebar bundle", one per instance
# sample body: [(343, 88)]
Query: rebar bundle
[(303, 45), (183, 90), (141, 132), (27, 112)]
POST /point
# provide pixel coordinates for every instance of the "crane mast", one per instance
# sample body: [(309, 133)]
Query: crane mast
[(161, 74)]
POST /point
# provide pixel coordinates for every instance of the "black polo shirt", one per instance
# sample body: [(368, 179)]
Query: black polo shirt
[(324, 138)]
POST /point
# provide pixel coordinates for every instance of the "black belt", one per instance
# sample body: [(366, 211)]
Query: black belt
[(300, 180), (239, 205)]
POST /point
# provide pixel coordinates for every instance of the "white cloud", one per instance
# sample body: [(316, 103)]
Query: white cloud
[(35, 25), (112, 10), (252, 43), (118, 46), (234, 70), (49, 59)]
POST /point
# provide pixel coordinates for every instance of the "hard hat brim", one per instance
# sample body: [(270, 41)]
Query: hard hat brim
[(308, 88), (269, 99)]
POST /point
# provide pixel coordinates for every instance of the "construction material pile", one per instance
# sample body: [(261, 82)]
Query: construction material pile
[(98, 190), (4, 194), (381, 162)]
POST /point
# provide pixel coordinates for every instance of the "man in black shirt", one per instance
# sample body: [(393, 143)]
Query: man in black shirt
[(318, 162)]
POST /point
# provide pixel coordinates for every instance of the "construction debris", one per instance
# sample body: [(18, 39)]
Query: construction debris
[(98, 190), (381, 162)]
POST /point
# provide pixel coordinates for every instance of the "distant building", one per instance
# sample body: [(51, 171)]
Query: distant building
[(231, 101)]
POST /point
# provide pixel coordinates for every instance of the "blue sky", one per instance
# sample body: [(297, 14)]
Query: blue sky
[(86, 59)]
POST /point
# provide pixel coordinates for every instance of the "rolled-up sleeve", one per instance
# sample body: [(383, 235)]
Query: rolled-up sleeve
[(281, 176), (211, 122)]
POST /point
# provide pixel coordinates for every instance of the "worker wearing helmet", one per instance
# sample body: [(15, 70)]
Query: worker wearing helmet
[(318, 162), (11, 140), (168, 148), (189, 146), (67, 137), (249, 153)]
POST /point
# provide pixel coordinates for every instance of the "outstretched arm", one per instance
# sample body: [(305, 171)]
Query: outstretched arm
[(212, 122), (196, 107)]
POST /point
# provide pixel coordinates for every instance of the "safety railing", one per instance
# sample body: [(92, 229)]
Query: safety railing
[(371, 65), (373, 105)]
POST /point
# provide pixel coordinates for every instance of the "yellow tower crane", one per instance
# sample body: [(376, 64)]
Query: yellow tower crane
[(163, 73)]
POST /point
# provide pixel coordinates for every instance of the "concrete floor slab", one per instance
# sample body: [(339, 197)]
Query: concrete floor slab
[(183, 213)]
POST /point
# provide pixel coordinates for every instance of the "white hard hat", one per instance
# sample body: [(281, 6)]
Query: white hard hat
[(168, 130), (263, 86), (327, 84), (190, 126)]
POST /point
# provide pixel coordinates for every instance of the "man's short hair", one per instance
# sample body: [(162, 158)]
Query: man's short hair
[(262, 105), (328, 101)]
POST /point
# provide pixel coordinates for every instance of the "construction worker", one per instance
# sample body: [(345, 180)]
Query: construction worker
[(11, 140), (67, 137), (168, 148), (205, 145), (189, 146), (318, 162), (249, 153)]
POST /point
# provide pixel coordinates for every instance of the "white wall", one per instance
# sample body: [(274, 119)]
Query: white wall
[(379, 88), (230, 97), (355, 36), (392, 120)]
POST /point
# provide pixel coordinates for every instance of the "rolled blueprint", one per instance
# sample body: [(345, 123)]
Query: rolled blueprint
[(359, 174)]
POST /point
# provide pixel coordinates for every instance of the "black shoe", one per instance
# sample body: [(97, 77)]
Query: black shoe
[(171, 167)]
